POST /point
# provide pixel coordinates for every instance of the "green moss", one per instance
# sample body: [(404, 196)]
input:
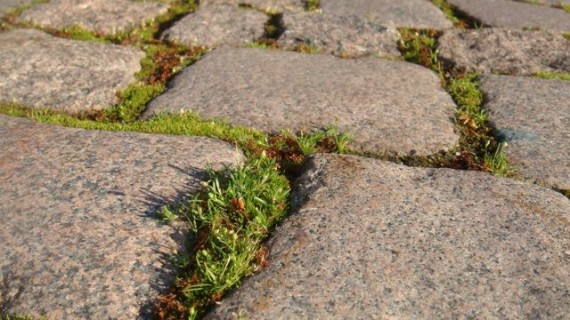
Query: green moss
[(553, 76), (312, 5)]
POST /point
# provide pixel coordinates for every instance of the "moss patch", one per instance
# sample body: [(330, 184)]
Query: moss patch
[(553, 76)]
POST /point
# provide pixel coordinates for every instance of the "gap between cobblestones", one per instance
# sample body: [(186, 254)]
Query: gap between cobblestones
[(238, 207)]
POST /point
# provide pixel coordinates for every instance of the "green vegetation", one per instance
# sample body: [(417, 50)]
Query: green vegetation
[(235, 211), (229, 220), (565, 7), (478, 148), (553, 76), (450, 13), (566, 35), (312, 5)]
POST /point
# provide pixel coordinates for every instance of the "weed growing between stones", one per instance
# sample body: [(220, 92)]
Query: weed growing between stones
[(553, 76), (233, 215), (312, 5), (478, 148), (459, 19)]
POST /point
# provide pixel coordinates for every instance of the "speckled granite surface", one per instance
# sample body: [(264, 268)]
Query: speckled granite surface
[(78, 232), (39, 70), (106, 16), (533, 117), (214, 26), (375, 240), (378, 102)]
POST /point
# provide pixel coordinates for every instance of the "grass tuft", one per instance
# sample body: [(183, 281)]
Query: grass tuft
[(229, 220), (478, 148)]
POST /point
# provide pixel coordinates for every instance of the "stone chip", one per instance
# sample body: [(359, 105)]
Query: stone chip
[(372, 239)]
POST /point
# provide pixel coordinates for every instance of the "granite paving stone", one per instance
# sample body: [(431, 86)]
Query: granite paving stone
[(339, 35), (213, 26), (39, 70), (372, 239), (514, 15), (403, 13), (78, 230), (8, 4), (102, 16), (265, 5), (548, 2), (533, 116), (387, 106), (515, 52)]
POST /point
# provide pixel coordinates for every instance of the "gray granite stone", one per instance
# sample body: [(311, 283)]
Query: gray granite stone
[(402, 13), (339, 35), (375, 240), (555, 3), (213, 26), (78, 232), (518, 52), (385, 105), (512, 14), (272, 6), (104, 16), (8, 4), (39, 70), (533, 116)]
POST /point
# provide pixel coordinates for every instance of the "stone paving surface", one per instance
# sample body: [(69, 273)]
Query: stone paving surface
[(403, 13), (533, 116), (378, 102), (79, 235), (379, 240), (8, 4), (339, 35), (515, 15), (105, 16), (40, 70), (77, 232), (213, 26), (492, 50), (547, 2), (264, 5)]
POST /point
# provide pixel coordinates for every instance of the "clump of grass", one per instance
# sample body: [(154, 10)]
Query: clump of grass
[(566, 35), (232, 216), (450, 13), (478, 148), (420, 47), (565, 7), (229, 220), (553, 76), (312, 5)]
